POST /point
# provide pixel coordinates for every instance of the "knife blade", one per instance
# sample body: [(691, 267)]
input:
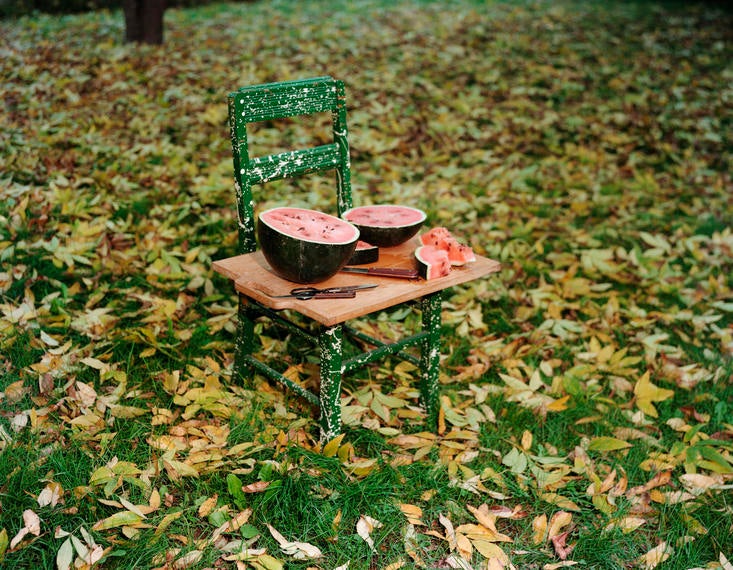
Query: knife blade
[(383, 272)]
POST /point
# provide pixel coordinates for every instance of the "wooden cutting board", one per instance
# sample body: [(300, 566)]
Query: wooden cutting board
[(254, 278)]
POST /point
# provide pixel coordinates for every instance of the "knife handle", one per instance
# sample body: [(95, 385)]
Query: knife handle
[(393, 272), (334, 295)]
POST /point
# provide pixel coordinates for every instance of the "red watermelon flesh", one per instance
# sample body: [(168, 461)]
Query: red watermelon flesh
[(432, 262), (310, 225), (441, 238), (384, 215)]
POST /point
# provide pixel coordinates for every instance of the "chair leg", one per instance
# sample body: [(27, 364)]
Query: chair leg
[(244, 342), (430, 357), (331, 344)]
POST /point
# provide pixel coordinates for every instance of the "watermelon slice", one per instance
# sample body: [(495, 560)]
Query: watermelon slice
[(432, 262), (441, 238), (364, 253)]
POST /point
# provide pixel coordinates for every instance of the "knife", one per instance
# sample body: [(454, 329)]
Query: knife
[(383, 272)]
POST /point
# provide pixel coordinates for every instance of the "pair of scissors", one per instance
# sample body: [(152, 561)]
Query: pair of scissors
[(305, 293)]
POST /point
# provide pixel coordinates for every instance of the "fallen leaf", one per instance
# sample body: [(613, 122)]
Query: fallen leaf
[(562, 550), (51, 494), (65, 555), (413, 513), (32, 525), (298, 550), (256, 487), (364, 528), (123, 518), (655, 556), (647, 393), (607, 444)]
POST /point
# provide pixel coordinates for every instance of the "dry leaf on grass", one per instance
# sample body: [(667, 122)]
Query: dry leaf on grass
[(364, 528), (298, 550)]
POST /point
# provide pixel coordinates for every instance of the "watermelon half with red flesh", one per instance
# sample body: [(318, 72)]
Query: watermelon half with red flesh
[(441, 238), (386, 225), (305, 246)]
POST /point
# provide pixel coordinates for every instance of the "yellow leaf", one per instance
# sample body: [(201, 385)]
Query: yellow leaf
[(331, 448), (123, 518), (463, 545), (413, 513), (166, 522), (558, 522), (362, 467), (656, 556), (489, 550), (627, 524), (15, 391), (95, 363), (207, 506), (607, 444), (4, 541), (177, 469), (154, 501), (558, 405), (127, 411), (240, 519), (526, 440), (539, 530), (137, 509), (646, 393), (560, 501)]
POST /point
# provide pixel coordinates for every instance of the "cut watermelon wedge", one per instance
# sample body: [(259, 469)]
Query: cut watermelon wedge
[(441, 238), (432, 262), (364, 253)]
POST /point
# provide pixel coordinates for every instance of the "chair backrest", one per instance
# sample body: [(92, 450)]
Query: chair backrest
[(272, 101)]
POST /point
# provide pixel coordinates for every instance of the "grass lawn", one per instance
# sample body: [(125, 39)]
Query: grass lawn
[(587, 402)]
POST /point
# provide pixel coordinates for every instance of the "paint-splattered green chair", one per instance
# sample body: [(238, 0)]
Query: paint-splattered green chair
[(258, 286)]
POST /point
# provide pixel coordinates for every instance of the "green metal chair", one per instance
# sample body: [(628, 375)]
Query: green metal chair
[(269, 102)]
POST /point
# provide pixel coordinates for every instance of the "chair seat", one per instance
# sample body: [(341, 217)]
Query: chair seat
[(254, 279)]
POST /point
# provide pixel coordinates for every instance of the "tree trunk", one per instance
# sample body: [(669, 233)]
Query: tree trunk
[(144, 21)]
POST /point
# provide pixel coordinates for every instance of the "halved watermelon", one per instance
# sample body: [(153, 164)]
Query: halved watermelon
[(386, 225), (432, 262), (305, 246), (458, 253), (364, 253)]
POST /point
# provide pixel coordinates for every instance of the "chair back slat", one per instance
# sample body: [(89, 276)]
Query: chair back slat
[(272, 101), (293, 163)]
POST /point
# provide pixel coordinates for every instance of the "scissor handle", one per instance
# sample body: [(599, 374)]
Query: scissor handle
[(305, 293)]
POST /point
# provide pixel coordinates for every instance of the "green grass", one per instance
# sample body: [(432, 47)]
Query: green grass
[(579, 144)]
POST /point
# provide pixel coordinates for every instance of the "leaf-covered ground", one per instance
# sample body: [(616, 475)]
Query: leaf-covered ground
[(587, 388)]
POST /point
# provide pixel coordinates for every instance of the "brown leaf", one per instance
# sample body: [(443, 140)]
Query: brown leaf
[(256, 487), (559, 545)]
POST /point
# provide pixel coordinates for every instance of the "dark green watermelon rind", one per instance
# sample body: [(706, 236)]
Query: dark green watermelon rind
[(302, 261), (362, 256)]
